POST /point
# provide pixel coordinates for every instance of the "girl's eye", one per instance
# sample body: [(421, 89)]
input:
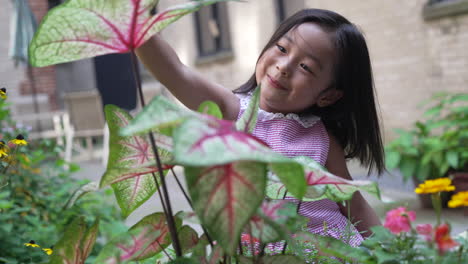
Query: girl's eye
[(305, 67), (281, 48)]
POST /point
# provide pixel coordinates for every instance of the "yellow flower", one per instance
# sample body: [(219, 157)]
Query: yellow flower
[(19, 140), (459, 199), (31, 243), (3, 153), (3, 149), (48, 251), (435, 186), (3, 94)]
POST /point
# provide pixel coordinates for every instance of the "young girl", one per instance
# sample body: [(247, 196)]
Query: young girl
[(317, 100)]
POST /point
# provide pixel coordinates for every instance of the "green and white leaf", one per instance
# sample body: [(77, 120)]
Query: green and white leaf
[(248, 120), (219, 196), (131, 164)]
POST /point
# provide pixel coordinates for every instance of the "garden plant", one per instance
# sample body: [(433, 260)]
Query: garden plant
[(35, 186), (235, 199)]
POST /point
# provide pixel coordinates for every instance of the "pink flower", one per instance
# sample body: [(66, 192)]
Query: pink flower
[(426, 231), (399, 220)]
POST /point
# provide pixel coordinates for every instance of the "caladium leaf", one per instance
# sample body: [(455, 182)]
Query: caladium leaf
[(127, 246), (225, 197), (81, 29), (132, 151), (84, 189), (218, 142), (76, 243), (132, 187), (87, 243), (248, 120), (131, 163), (322, 184), (200, 249), (291, 175), (188, 238), (282, 214), (210, 108), (155, 223), (159, 114), (189, 217)]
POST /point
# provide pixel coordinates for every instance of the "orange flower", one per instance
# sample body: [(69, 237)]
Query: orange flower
[(443, 239), (245, 238)]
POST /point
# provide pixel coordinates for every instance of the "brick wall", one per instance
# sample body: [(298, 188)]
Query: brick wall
[(412, 58)]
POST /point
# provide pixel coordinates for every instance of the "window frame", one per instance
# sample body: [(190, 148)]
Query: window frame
[(435, 9), (222, 43)]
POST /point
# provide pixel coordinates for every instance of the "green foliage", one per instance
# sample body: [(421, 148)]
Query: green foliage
[(32, 207), (36, 187), (67, 251), (225, 166), (79, 29), (433, 147), (210, 108)]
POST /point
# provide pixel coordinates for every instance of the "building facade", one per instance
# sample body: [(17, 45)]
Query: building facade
[(417, 48)]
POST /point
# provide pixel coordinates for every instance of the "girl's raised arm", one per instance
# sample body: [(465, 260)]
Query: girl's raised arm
[(187, 85)]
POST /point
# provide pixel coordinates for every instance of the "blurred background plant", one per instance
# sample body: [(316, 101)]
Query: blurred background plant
[(432, 148), (435, 147), (401, 241), (36, 186)]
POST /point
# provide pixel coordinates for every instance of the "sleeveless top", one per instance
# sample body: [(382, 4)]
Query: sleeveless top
[(294, 135)]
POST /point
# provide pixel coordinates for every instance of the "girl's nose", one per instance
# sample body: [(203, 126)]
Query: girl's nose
[(283, 67)]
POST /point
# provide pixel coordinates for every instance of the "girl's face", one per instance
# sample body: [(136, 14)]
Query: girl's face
[(295, 73)]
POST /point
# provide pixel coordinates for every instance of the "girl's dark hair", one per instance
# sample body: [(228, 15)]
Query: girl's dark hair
[(352, 119)]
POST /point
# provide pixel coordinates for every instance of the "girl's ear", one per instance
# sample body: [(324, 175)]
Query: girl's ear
[(329, 97)]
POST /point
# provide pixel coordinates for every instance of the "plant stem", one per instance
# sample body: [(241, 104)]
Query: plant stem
[(241, 251), (460, 252), (165, 253), (169, 215), (182, 188), (252, 246), (191, 206), (160, 195), (437, 204)]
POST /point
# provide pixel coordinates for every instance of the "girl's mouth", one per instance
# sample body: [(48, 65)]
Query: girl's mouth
[(275, 83)]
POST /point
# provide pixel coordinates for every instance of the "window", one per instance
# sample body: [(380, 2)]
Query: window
[(54, 3), (444, 8), (212, 30), (436, 1), (286, 8)]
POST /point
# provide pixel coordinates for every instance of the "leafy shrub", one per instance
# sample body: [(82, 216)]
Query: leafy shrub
[(34, 188)]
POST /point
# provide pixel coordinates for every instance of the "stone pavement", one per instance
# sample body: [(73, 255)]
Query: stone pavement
[(394, 193)]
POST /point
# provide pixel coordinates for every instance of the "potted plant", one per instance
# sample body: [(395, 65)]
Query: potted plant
[(435, 147)]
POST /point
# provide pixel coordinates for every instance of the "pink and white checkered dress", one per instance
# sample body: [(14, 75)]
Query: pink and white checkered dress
[(292, 135)]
